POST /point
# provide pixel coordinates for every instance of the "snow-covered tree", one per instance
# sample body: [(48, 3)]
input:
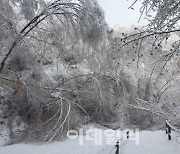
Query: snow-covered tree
[(35, 34)]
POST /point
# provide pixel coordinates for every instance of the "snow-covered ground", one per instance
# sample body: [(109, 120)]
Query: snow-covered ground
[(150, 142)]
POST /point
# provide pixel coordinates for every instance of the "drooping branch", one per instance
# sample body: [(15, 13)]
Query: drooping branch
[(70, 11), (139, 36)]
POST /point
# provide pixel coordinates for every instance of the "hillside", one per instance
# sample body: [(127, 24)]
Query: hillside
[(62, 67)]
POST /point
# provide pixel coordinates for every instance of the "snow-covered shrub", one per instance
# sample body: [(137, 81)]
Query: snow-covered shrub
[(99, 96)]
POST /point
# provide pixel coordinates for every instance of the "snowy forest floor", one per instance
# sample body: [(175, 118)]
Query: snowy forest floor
[(150, 142)]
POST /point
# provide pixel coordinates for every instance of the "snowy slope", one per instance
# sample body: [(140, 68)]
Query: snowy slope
[(150, 143)]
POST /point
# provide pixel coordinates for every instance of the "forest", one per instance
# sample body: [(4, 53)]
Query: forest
[(62, 67)]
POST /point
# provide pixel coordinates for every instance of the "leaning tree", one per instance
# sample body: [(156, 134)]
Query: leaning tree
[(27, 28)]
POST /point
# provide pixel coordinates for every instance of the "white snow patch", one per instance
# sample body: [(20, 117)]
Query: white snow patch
[(154, 142)]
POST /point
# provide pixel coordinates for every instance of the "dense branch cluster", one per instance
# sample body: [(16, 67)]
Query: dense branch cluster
[(163, 14), (34, 35)]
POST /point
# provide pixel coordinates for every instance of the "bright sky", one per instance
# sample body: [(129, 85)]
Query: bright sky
[(117, 12)]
